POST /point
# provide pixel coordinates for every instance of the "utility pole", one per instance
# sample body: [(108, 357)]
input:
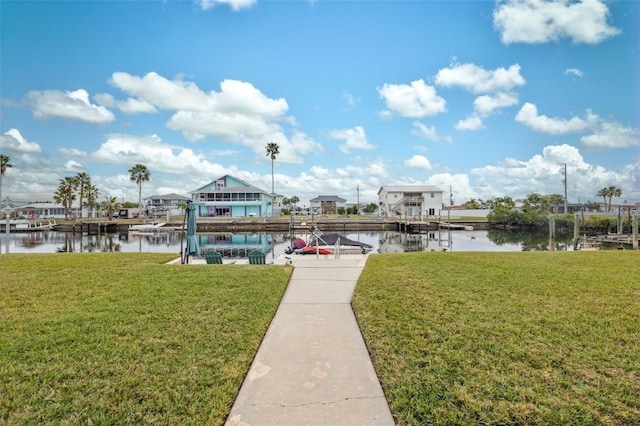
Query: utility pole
[(358, 198)]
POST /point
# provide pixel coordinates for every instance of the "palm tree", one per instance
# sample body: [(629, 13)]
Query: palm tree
[(609, 192), (64, 194), (138, 174), (272, 151), (82, 181), (555, 200), (110, 204), (603, 193), (4, 165), (182, 205), (613, 191), (92, 195)]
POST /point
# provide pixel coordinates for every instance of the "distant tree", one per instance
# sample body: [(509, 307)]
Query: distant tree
[(182, 205), (608, 193), (65, 194), (555, 200), (501, 203), (138, 174), (92, 193), (294, 200), (603, 193), (110, 204), (535, 202), (272, 151), (593, 205), (82, 180), (370, 208), (614, 191), (4, 165), (472, 204)]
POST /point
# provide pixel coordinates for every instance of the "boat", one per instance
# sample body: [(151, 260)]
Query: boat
[(322, 243), (149, 228)]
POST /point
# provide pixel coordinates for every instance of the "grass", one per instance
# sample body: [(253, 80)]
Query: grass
[(505, 338), (124, 339)]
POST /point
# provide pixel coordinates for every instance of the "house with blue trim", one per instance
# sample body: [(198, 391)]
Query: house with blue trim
[(229, 196)]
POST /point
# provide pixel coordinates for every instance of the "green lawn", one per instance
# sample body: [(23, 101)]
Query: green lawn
[(505, 338), (124, 339)]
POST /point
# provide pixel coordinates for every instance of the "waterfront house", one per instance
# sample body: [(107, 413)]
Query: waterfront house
[(158, 205), (411, 201), (38, 211), (229, 196), (327, 204)]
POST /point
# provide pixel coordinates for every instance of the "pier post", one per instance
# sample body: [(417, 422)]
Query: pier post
[(635, 232), (576, 226), (552, 234), (619, 221)]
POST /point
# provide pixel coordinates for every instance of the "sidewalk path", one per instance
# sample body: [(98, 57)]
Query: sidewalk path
[(313, 367)]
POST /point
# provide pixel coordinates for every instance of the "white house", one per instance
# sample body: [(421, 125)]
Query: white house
[(411, 201), (327, 204)]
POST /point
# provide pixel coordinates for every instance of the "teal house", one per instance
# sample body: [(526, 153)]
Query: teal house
[(229, 196)]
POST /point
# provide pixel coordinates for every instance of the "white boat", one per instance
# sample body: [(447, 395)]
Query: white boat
[(148, 228)]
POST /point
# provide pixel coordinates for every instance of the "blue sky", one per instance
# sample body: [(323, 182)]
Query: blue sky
[(489, 99)]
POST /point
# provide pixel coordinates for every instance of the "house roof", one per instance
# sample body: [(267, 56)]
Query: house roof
[(328, 198), (40, 206), (410, 188), (231, 188), (172, 196)]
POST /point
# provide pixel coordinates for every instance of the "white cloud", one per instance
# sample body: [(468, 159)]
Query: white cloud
[(415, 100), (487, 104), (573, 71), (528, 115), (429, 133), (612, 135), (235, 5), (476, 79), (418, 162), (73, 105), (355, 138), (541, 21), (155, 154), (461, 190), (473, 122), (134, 106), (350, 99), (13, 142), (238, 113), (605, 134), (104, 99), (543, 174)]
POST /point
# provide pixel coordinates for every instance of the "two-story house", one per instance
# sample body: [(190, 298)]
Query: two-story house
[(411, 201), (229, 196), (165, 204), (327, 204)]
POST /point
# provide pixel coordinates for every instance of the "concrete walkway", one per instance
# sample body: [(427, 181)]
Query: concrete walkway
[(313, 367)]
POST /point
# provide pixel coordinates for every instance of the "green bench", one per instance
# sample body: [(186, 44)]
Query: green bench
[(257, 258), (213, 258)]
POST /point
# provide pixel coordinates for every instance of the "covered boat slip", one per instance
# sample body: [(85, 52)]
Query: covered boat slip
[(321, 243)]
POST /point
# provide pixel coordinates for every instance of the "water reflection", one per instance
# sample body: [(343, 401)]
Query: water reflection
[(275, 244)]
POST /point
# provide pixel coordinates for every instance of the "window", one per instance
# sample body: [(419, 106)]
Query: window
[(432, 212), (433, 195)]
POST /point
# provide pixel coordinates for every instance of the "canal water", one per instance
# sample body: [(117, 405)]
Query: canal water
[(275, 244)]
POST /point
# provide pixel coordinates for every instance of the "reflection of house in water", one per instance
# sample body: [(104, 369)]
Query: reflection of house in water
[(396, 242), (235, 245)]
